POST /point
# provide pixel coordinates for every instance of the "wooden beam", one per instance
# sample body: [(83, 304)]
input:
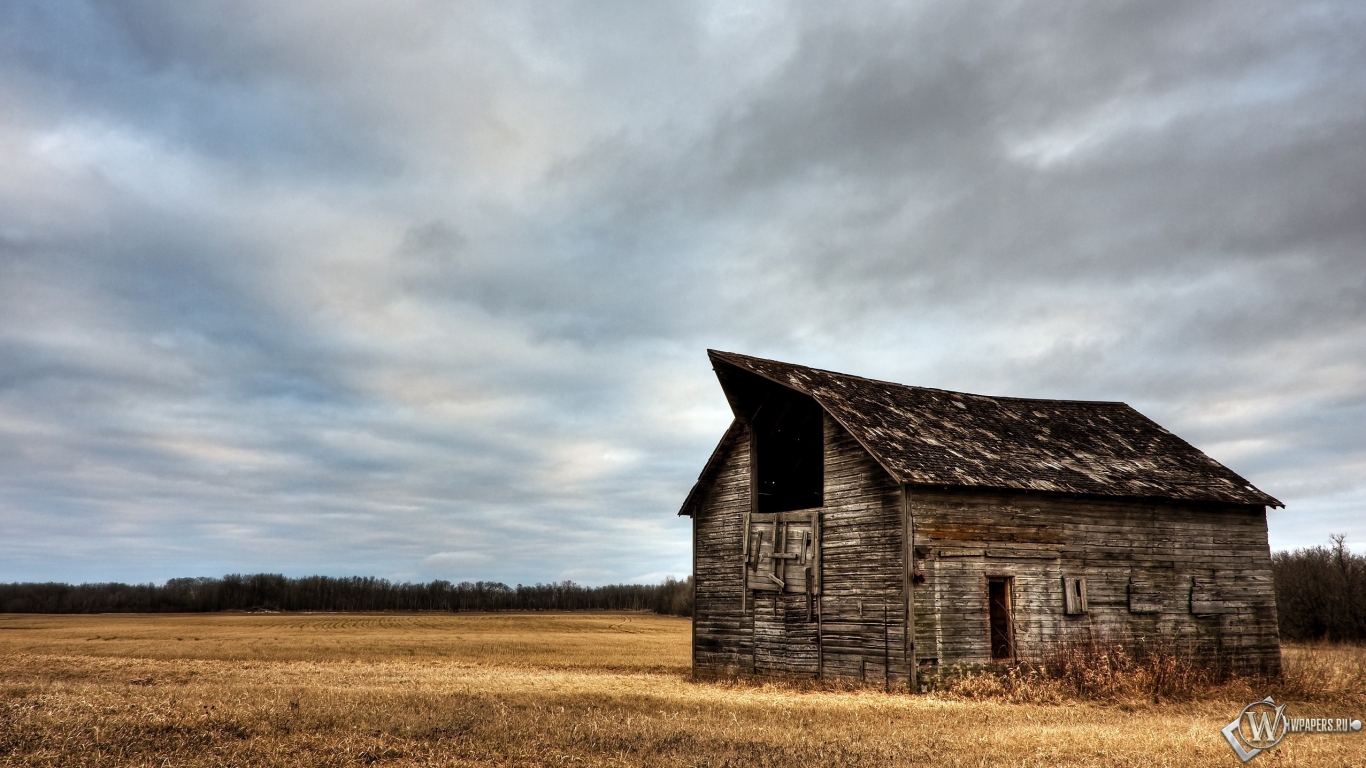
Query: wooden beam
[(816, 575), (908, 585), (753, 507), (694, 591)]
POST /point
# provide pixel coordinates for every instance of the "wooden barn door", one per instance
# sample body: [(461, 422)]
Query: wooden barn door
[(1001, 622), (782, 573)]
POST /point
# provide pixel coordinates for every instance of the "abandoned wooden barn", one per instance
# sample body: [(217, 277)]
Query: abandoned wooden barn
[(853, 528)]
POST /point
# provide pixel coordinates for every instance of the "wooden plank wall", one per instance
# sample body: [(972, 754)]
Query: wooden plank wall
[(785, 643), (1198, 575), (861, 625), (723, 635), (862, 566)]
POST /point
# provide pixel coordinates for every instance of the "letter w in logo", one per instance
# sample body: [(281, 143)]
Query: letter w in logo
[(1262, 725)]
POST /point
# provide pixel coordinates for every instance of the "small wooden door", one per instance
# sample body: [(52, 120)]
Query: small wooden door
[(782, 580), (1002, 633), (783, 553)]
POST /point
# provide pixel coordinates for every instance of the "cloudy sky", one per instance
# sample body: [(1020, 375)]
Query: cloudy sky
[(422, 289)]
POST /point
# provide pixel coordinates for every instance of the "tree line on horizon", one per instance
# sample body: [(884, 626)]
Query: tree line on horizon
[(275, 592), (1320, 595)]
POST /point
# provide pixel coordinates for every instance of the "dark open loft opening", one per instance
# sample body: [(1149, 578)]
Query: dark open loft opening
[(788, 456), (789, 461)]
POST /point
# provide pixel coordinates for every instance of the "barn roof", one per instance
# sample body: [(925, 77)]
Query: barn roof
[(934, 437)]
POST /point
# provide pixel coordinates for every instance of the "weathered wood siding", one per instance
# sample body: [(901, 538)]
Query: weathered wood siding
[(857, 630), (1195, 574), (722, 633), (862, 609)]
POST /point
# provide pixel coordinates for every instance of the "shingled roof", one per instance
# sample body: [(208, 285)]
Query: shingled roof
[(933, 437)]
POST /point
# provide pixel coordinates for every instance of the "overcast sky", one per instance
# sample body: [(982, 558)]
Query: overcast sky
[(423, 289)]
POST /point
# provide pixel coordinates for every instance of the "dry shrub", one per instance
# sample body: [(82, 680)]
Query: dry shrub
[(1157, 670), (1163, 671), (1112, 671), (1021, 684)]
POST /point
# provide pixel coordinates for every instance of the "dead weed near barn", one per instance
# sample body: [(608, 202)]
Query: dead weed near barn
[(1112, 673), (553, 690)]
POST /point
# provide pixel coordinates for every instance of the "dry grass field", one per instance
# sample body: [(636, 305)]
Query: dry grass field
[(558, 690)]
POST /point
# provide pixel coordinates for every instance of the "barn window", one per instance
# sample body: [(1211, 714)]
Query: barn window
[(789, 456), (1074, 596)]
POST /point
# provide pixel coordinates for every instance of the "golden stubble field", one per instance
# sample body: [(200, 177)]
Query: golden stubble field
[(552, 690)]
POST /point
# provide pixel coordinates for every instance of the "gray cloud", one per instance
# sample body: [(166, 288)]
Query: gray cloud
[(422, 291)]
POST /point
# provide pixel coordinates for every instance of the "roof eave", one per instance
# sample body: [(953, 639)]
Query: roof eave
[(1264, 500)]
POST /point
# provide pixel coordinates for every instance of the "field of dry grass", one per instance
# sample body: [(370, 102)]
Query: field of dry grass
[(558, 690)]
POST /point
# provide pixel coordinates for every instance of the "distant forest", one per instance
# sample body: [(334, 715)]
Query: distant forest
[(273, 592), (1321, 593)]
